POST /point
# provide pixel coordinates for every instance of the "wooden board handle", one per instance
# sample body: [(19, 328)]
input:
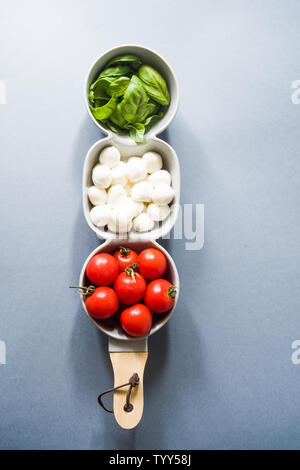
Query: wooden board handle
[(125, 364)]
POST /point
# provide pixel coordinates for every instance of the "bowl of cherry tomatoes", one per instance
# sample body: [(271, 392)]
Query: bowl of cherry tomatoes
[(129, 289)]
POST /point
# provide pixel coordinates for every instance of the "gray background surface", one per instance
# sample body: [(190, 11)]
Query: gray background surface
[(219, 375)]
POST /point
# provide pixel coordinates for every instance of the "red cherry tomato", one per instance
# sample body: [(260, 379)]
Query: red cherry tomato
[(103, 303), (136, 320), (125, 257), (160, 296), (152, 263), (102, 269), (130, 287)]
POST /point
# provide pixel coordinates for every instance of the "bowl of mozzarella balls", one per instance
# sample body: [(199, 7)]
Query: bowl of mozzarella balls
[(131, 191)]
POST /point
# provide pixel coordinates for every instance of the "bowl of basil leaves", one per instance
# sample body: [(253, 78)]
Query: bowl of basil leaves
[(132, 92)]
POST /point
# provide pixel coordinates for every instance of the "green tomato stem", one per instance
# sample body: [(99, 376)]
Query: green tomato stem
[(124, 251), (131, 272), (84, 290), (172, 292)]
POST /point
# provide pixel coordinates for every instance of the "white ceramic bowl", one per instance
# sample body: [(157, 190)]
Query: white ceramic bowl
[(128, 148), (111, 326), (148, 57), (170, 163)]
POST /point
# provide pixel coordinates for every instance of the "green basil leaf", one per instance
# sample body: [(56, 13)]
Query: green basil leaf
[(99, 79), (151, 120), (103, 112), (117, 117), (134, 97), (91, 97), (116, 129), (99, 102), (137, 131), (128, 59), (117, 71), (99, 89), (118, 86), (154, 84), (145, 110)]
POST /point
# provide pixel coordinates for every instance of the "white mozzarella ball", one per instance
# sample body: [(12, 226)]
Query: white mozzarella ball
[(118, 228), (100, 215), (133, 159), (136, 169), (116, 194), (135, 208), (120, 216), (96, 196), (119, 175), (141, 191), (158, 213), (110, 156), (101, 176), (120, 220), (153, 161), (162, 194), (143, 223), (128, 207), (160, 177)]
